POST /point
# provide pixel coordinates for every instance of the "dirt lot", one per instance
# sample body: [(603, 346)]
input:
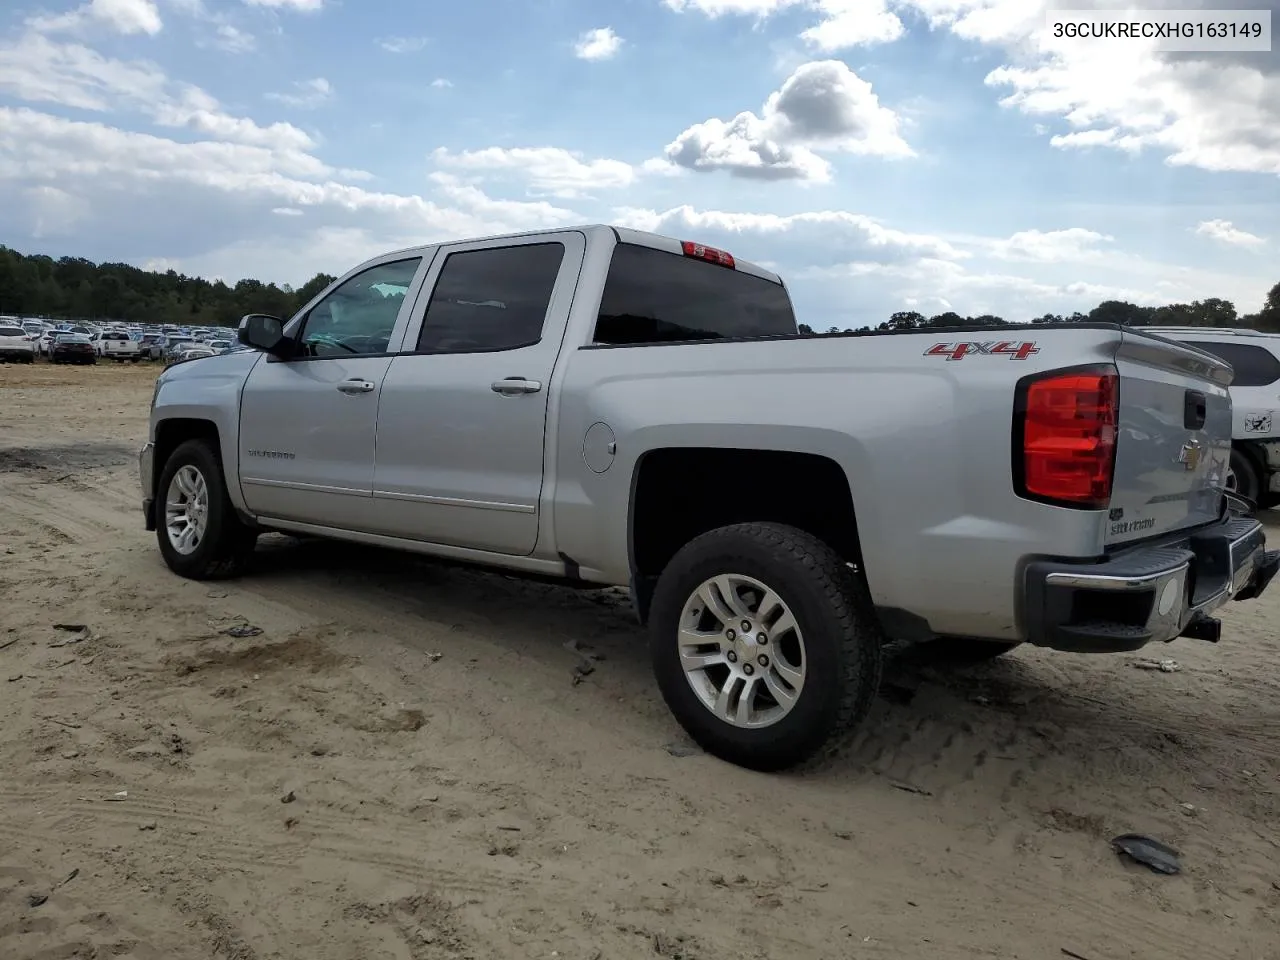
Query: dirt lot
[(401, 765)]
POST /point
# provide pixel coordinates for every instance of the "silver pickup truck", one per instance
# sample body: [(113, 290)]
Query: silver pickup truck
[(608, 407)]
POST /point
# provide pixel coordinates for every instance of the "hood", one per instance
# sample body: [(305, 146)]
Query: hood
[(219, 366)]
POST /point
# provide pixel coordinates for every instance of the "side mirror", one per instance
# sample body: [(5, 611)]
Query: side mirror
[(262, 332)]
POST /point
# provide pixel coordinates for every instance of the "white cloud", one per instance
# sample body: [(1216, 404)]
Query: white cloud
[(1052, 246), (56, 213), (306, 6), (123, 16), (823, 106), (306, 94), (936, 286), (849, 269), (599, 44), (35, 69), (233, 40), (551, 170), (522, 214), (1224, 231), (823, 236), (720, 8), (842, 24), (440, 83), (853, 23), (1215, 111), (231, 190), (402, 44)]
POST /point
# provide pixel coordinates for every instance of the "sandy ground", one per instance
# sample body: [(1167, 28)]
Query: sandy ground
[(401, 765)]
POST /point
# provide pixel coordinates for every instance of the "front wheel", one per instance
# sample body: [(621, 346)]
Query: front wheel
[(200, 536), (764, 643)]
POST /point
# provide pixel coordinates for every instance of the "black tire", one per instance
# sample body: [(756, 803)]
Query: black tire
[(228, 543), (1248, 482), (832, 607), (961, 651)]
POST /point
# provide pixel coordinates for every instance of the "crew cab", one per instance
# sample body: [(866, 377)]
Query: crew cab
[(118, 346), (603, 406), (1254, 356)]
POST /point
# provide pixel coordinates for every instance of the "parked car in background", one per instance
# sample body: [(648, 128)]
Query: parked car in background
[(614, 408), (117, 346), (191, 351), (174, 344), (1255, 402), (72, 348), (16, 344), (151, 346)]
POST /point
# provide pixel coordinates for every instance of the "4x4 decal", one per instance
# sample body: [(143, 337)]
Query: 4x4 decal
[(1014, 350)]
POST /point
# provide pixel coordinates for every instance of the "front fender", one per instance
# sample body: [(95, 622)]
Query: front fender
[(207, 389)]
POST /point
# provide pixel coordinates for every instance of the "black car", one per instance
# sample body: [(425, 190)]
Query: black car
[(72, 348)]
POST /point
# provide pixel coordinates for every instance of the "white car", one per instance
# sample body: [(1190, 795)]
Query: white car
[(1255, 402), (16, 344), (191, 352)]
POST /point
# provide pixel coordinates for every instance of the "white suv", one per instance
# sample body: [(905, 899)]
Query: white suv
[(15, 343), (1255, 404)]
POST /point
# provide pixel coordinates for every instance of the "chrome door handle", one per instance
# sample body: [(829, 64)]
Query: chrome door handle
[(513, 386), (356, 386)]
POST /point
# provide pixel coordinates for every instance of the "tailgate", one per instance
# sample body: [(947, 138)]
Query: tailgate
[(1174, 438)]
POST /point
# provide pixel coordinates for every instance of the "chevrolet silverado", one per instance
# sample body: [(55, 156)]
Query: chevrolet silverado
[(604, 407)]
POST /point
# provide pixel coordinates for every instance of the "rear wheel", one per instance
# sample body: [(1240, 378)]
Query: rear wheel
[(764, 644), (1243, 476), (199, 533)]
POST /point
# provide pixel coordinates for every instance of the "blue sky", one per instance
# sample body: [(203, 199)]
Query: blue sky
[(880, 154)]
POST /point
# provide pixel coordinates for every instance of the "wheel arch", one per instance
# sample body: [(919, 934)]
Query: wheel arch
[(169, 434), (678, 493)]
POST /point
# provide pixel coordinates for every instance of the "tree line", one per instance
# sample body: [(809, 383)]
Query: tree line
[(72, 288), (1213, 312)]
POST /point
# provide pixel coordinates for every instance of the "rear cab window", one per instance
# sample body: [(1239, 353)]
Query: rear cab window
[(1255, 366), (652, 296)]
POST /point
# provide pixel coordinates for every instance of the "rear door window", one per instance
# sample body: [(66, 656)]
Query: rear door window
[(492, 299), (1254, 366), (652, 296)]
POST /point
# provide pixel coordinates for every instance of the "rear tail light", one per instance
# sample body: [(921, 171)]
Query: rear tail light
[(1065, 436), (709, 254)]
